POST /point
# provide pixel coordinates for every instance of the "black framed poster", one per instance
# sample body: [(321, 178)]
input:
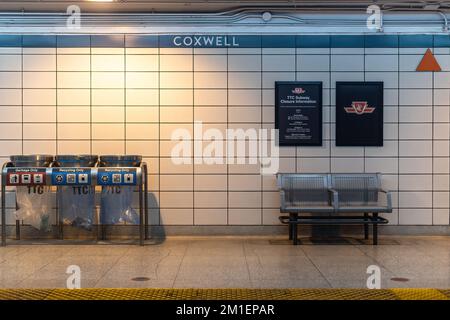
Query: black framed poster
[(359, 113), (298, 113)]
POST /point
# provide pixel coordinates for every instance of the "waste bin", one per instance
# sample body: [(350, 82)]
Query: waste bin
[(117, 200), (33, 202), (76, 204)]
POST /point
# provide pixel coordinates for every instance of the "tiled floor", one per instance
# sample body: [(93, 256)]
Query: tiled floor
[(230, 262)]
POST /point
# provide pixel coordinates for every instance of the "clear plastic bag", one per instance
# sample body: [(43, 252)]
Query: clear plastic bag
[(76, 206), (34, 206), (116, 205)]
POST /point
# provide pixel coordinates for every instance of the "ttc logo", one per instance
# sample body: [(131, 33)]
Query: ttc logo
[(298, 90), (359, 107)]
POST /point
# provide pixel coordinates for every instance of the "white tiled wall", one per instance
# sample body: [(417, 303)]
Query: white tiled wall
[(115, 100)]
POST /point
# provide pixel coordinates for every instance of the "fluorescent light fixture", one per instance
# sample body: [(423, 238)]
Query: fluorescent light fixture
[(101, 0)]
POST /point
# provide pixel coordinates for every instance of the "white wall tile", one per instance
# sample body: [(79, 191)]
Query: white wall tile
[(74, 147), (8, 148), (142, 80), (275, 62), (244, 114), (103, 62), (74, 131), (342, 165), (313, 165), (39, 114), (389, 79), (141, 97), (441, 199), (415, 165), (415, 114), (174, 97), (11, 113), (441, 217), (108, 147), (244, 216), (441, 165), (210, 216), (210, 114), (10, 131), (142, 62), (346, 76), (211, 80), (415, 148), (409, 62), (108, 114), (415, 216), (313, 63), (383, 165), (441, 182), (210, 199), (244, 63), (324, 77), (244, 97), (108, 80), (10, 97), (107, 131), (441, 148), (142, 114), (441, 131), (71, 97), (39, 147), (10, 79), (422, 80), (347, 63), (142, 131), (208, 182), (74, 63), (108, 97), (441, 97), (175, 62), (244, 80), (39, 131), (144, 147), (74, 80), (176, 114), (39, 97), (176, 216), (416, 182), (244, 182), (39, 62), (176, 199), (39, 80), (415, 199), (176, 182), (176, 80), (415, 131), (381, 62), (210, 63), (10, 62), (442, 80), (210, 97)]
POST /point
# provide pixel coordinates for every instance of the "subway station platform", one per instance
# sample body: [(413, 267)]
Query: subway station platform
[(237, 263), (224, 294)]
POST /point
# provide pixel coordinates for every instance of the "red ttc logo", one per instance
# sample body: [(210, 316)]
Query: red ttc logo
[(359, 107)]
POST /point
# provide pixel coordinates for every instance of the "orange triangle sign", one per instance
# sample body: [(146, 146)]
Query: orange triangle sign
[(428, 63)]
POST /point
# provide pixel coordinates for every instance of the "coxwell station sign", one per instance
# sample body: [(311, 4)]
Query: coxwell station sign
[(205, 41)]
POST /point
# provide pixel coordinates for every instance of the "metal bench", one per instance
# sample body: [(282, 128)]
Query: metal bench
[(325, 197)]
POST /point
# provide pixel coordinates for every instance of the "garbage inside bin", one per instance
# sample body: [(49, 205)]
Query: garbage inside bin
[(76, 204), (33, 202), (117, 200)]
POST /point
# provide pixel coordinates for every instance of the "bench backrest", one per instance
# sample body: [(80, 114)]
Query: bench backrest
[(305, 188), (356, 188)]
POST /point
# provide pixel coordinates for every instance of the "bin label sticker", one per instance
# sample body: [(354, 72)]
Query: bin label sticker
[(116, 177), (25, 176), (71, 176)]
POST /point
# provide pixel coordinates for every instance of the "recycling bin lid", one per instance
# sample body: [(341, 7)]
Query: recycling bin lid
[(80, 160), (31, 160), (121, 160)]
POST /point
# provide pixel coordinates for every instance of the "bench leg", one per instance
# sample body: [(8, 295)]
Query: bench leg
[(294, 233), (290, 226), (375, 230), (366, 226)]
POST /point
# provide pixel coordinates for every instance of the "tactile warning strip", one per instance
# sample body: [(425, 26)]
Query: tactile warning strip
[(224, 294)]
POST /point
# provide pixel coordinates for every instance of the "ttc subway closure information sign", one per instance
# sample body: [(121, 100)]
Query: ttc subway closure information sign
[(298, 113), (359, 113)]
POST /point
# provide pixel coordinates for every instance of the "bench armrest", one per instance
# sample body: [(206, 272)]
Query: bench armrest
[(388, 197), (334, 196)]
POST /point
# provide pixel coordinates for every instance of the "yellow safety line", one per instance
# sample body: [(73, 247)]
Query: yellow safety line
[(224, 294)]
